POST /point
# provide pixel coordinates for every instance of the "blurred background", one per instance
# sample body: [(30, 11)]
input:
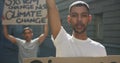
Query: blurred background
[(104, 28)]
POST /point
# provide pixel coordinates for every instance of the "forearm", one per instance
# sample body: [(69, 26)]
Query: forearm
[(5, 31), (53, 17), (45, 33), (51, 4), (9, 37), (46, 30)]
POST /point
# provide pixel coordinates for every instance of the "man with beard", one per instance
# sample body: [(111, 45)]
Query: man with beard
[(77, 45)]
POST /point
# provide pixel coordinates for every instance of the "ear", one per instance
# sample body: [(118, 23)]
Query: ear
[(68, 19), (90, 18), (32, 33)]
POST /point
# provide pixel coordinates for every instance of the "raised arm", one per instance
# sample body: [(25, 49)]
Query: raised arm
[(53, 17), (9, 37), (45, 33)]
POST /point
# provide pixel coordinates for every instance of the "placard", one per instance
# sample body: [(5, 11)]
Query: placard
[(24, 12), (106, 59)]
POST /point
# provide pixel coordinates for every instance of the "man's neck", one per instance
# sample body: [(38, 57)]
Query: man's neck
[(82, 36), (28, 40)]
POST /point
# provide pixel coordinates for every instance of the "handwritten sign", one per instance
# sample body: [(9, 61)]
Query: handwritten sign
[(24, 12)]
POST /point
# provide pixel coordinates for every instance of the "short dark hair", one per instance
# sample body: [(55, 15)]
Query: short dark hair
[(78, 4), (27, 28)]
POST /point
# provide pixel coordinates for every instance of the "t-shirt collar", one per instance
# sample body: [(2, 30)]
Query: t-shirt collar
[(79, 40)]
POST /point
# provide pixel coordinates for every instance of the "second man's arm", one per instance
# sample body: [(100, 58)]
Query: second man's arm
[(9, 37), (44, 35)]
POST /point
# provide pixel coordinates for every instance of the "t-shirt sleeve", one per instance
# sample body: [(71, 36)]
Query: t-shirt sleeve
[(36, 41), (102, 50), (19, 41), (62, 37)]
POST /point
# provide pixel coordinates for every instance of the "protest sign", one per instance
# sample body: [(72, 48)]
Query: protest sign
[(105, 59), (24, 12)]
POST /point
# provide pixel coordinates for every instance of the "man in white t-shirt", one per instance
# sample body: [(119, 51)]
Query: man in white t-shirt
[(27, 47), (77, 45)]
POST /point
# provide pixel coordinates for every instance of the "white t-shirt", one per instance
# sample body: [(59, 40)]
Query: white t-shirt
[(27, 49), (69, 46)]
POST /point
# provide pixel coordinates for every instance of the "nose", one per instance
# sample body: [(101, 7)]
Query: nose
[(26, 36), (79, 18)]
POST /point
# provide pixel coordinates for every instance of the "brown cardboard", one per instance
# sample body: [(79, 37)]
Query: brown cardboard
[(107, 59)]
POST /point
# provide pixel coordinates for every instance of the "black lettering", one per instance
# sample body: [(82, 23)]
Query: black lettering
[(38, 20), (38, 7), (16, 2), (28, 20), (37, 1), (30, 7), (31, 1), (12, 2), (13, 7), (27, 14), (32, 13), (21, 7), (26, 7), (19, 20), (8, 2), (44, 6), (9, 15), (20, 14), (38, 13), (24, 14), (43, 20), (26, 1)]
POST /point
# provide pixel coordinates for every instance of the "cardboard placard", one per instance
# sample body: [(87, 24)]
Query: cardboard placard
[(107, 59), (24, 12)]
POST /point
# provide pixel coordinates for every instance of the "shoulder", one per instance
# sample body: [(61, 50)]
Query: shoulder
[(96, 43), (19, 41), (62, 36), (99, 48), (35, 40)]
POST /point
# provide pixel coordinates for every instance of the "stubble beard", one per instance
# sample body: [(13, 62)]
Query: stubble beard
[(83, 29)]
